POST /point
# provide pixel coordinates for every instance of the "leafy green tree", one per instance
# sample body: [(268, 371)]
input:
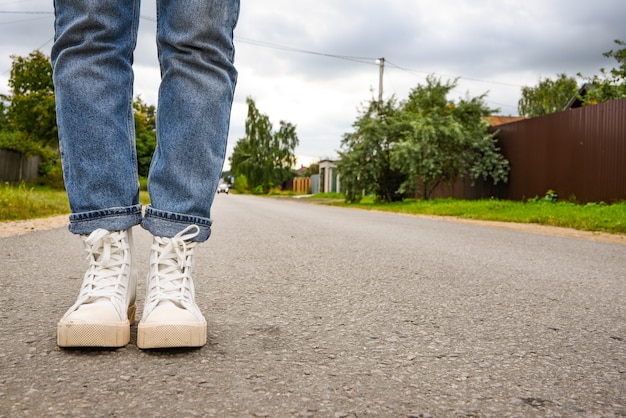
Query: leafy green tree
[(365, 161), (410, 148), (611, 84), (145, 134), (264, 156), (442, 140), (548, 96), (29, 115), (31, 108), (4, 122), (313, 168)]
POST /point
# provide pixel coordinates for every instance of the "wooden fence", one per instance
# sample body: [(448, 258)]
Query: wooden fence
[(302, 185), (16, 167)]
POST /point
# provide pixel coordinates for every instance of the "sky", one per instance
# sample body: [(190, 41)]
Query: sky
[(314, 62)]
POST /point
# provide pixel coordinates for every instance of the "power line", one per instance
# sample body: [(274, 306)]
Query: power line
[(409, 70), (263, 44), (363, 60), (271, 45)]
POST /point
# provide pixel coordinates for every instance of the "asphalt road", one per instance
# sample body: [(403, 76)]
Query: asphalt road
[(316, 311)]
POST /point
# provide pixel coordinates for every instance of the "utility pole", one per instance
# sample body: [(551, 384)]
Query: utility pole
[(381, 70)]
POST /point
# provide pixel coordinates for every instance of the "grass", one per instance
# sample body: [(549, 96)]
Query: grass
[(588, 217), (329, 195), (26, 202), (18, 202)]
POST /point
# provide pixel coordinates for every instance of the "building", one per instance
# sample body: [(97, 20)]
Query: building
[(329, 180)]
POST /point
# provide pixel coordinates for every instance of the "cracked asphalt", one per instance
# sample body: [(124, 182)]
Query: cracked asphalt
[(315, 311)]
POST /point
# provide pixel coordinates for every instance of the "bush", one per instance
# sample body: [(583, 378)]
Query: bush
[(143, 183), (11, 140), (241, 184), (51, 170)]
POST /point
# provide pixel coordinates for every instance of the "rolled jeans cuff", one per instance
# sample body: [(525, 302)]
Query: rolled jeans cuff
[(167, 224), (111, 219)]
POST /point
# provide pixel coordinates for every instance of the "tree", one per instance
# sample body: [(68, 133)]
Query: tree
[(28, 116), (145, 134), (443, 140), (548, 96), (312, 169), (31, 108), (9, 139), (365, 162), (4, 122), (611, 84), (264, 156), (411, 148)]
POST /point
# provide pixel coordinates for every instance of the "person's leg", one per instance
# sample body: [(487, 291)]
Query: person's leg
[(93, 83), (92, 73), (196, 52), (195, 40)]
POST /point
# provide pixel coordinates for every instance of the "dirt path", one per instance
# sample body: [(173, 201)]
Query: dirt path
[(10, 229)]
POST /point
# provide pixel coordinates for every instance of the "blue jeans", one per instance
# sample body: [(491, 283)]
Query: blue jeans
[(93, 78)]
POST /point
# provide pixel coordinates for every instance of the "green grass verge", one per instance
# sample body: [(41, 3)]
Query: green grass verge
[(589, 217), (26, 202), (19, 202)]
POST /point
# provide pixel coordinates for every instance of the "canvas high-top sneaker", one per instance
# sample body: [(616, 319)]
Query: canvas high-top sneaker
[(171, 317), (105, 307)]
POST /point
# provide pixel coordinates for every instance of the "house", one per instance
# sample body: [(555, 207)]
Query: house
[(329, 179), (577, 99), (496, 120)]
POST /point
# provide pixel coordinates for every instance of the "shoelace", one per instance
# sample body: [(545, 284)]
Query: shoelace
[(171, 271), (107, 255)]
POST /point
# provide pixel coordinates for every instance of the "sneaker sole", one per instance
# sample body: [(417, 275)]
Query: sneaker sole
[(88, 334), (171, 335), (76, 334)]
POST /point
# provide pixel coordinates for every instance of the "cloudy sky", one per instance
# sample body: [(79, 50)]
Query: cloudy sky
[(313, 62)]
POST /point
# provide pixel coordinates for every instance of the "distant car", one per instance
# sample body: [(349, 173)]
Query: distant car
[(222, 188)]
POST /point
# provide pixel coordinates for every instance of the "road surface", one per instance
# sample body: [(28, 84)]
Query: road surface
[(315, 311)]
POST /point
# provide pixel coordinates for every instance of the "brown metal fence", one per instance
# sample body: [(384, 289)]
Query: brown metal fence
[(579, 153)]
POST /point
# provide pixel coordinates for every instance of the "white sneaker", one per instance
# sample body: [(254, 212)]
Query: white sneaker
[(105, 307), (171, 317)]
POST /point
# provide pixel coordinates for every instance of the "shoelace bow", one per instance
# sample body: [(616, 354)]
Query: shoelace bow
[(172, 278), (107, 256)]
